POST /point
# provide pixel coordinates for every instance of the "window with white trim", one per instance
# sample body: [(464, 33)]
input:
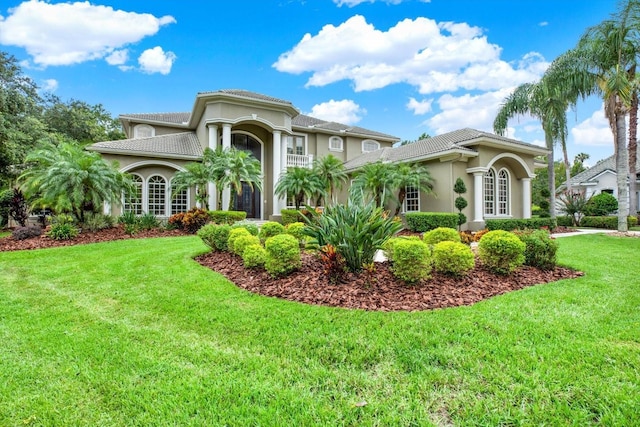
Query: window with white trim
[(157, 195), (295, 145), (143, 131), (369, 145), (497, 192), (179, 200), (133, 202), (335, 143), (412, 199)]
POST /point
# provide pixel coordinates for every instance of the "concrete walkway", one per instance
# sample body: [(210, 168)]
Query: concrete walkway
[(584, 231)]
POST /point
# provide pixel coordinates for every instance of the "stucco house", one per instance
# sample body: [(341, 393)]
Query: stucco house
[(600, 178), (497, 171)]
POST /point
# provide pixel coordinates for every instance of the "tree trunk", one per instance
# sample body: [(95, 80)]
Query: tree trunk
[(633, 155), (401, 196), (552, 175), (622, 171), (567, 165)]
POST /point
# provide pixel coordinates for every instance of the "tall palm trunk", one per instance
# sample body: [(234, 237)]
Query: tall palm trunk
[(567, 165), (552, 173), (633, 155), (621, 170)]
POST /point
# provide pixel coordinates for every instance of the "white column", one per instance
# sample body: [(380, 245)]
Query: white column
[(477, 196), (283, 167), (213, 144), (106, 208), (226, 143), (526, 198), (276, 168)]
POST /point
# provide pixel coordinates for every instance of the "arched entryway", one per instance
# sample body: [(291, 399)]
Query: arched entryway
[(248, 201)]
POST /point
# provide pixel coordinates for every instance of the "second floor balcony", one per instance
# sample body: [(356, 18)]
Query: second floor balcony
[(299, 160)]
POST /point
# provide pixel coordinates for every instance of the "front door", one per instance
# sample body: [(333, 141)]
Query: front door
[(247, 200)]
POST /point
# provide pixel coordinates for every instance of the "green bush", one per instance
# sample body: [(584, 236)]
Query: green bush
[(227, 217), (453, 258), (128, 218), (608, 222), (251, 227), (26, 232), (501, 251), (254, 256), (64, 231), (540, 250), (564, 221), (389, 245), (283, 255), (62, 219), (356, 231), (234, 234), (601, 204), (270, 229), (425, 221), (441, 234), (240, 244), (520, 224), (296, 229), (215, 236), (148, 221), (290, 216), (97, 221), (411, 260)]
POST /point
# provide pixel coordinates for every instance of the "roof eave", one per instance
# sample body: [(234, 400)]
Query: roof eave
[(105, 150), (485, 140)]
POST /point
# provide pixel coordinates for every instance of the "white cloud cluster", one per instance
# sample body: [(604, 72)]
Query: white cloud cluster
[(434, 57), (419, 107), (345, 111), (156, 60), (72, 33), (50, 85), (352, 3), (594, 131)]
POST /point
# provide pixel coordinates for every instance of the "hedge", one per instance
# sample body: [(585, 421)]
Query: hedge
[(564, 221), (520, 224), (227, 217), (290, 216), (425, 221), (608, 222)]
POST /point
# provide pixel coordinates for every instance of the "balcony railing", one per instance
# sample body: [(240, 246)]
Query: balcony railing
[(301, 161)]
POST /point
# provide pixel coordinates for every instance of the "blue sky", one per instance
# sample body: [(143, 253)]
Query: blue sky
[(402, 67)]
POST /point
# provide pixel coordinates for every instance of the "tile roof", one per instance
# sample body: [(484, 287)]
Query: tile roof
[(302, 120), (176, 118), (247, 94), (184, 144), (608, 164)]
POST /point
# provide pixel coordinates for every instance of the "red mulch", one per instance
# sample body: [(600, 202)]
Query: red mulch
[(116, 233), (374, 291), (378, 290)]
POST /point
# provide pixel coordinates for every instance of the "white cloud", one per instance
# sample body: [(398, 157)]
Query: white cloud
[(543, 24), (345, 111), (594, 131), (434, 57), (156, 60), (419, 107), (118, 57), (352, 3), (71, 33), (50, 85)]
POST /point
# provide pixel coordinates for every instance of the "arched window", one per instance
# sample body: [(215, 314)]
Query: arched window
[(157, 195), (143, 131), (497, 192), (369, 145), (133, 202), (179, 200), (335, 143), (489, 192)]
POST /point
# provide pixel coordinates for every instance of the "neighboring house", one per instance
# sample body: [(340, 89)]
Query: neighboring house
[(601, 178), (496, 170)]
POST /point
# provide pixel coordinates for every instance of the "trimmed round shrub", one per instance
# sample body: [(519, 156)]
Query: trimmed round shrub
[(540, 249), (283, 255), (234, 234), (296, 229), (251, 228), (28, 232), (441, 234), (453, 258), (63, 231), (254, 256), (601, 205), (501, 251), (389, 245), (270, 229), (215, 236), (242, 242), (411, 260)]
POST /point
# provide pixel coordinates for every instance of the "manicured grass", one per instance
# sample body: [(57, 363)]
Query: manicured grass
[(136, 333), (4, 233)]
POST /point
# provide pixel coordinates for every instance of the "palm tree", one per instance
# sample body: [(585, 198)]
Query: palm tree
[(302, 183), (411, 175), (331, 171), (242, 167), (546, 101), (197, 175), (375, 180), (72, 180)]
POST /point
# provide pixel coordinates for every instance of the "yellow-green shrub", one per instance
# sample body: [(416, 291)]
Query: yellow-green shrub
[(270, 229), (441, 234), (254, 256), (389, 246), (283, 255), (501, 251), (242, 242), (296, 229), (411, 260), (234, 234), (453, 258), (215, 236)]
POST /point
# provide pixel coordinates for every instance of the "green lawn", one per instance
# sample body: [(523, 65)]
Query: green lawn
[(136, 333)]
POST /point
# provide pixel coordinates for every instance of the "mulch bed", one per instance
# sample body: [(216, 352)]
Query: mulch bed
[(379, 290)]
